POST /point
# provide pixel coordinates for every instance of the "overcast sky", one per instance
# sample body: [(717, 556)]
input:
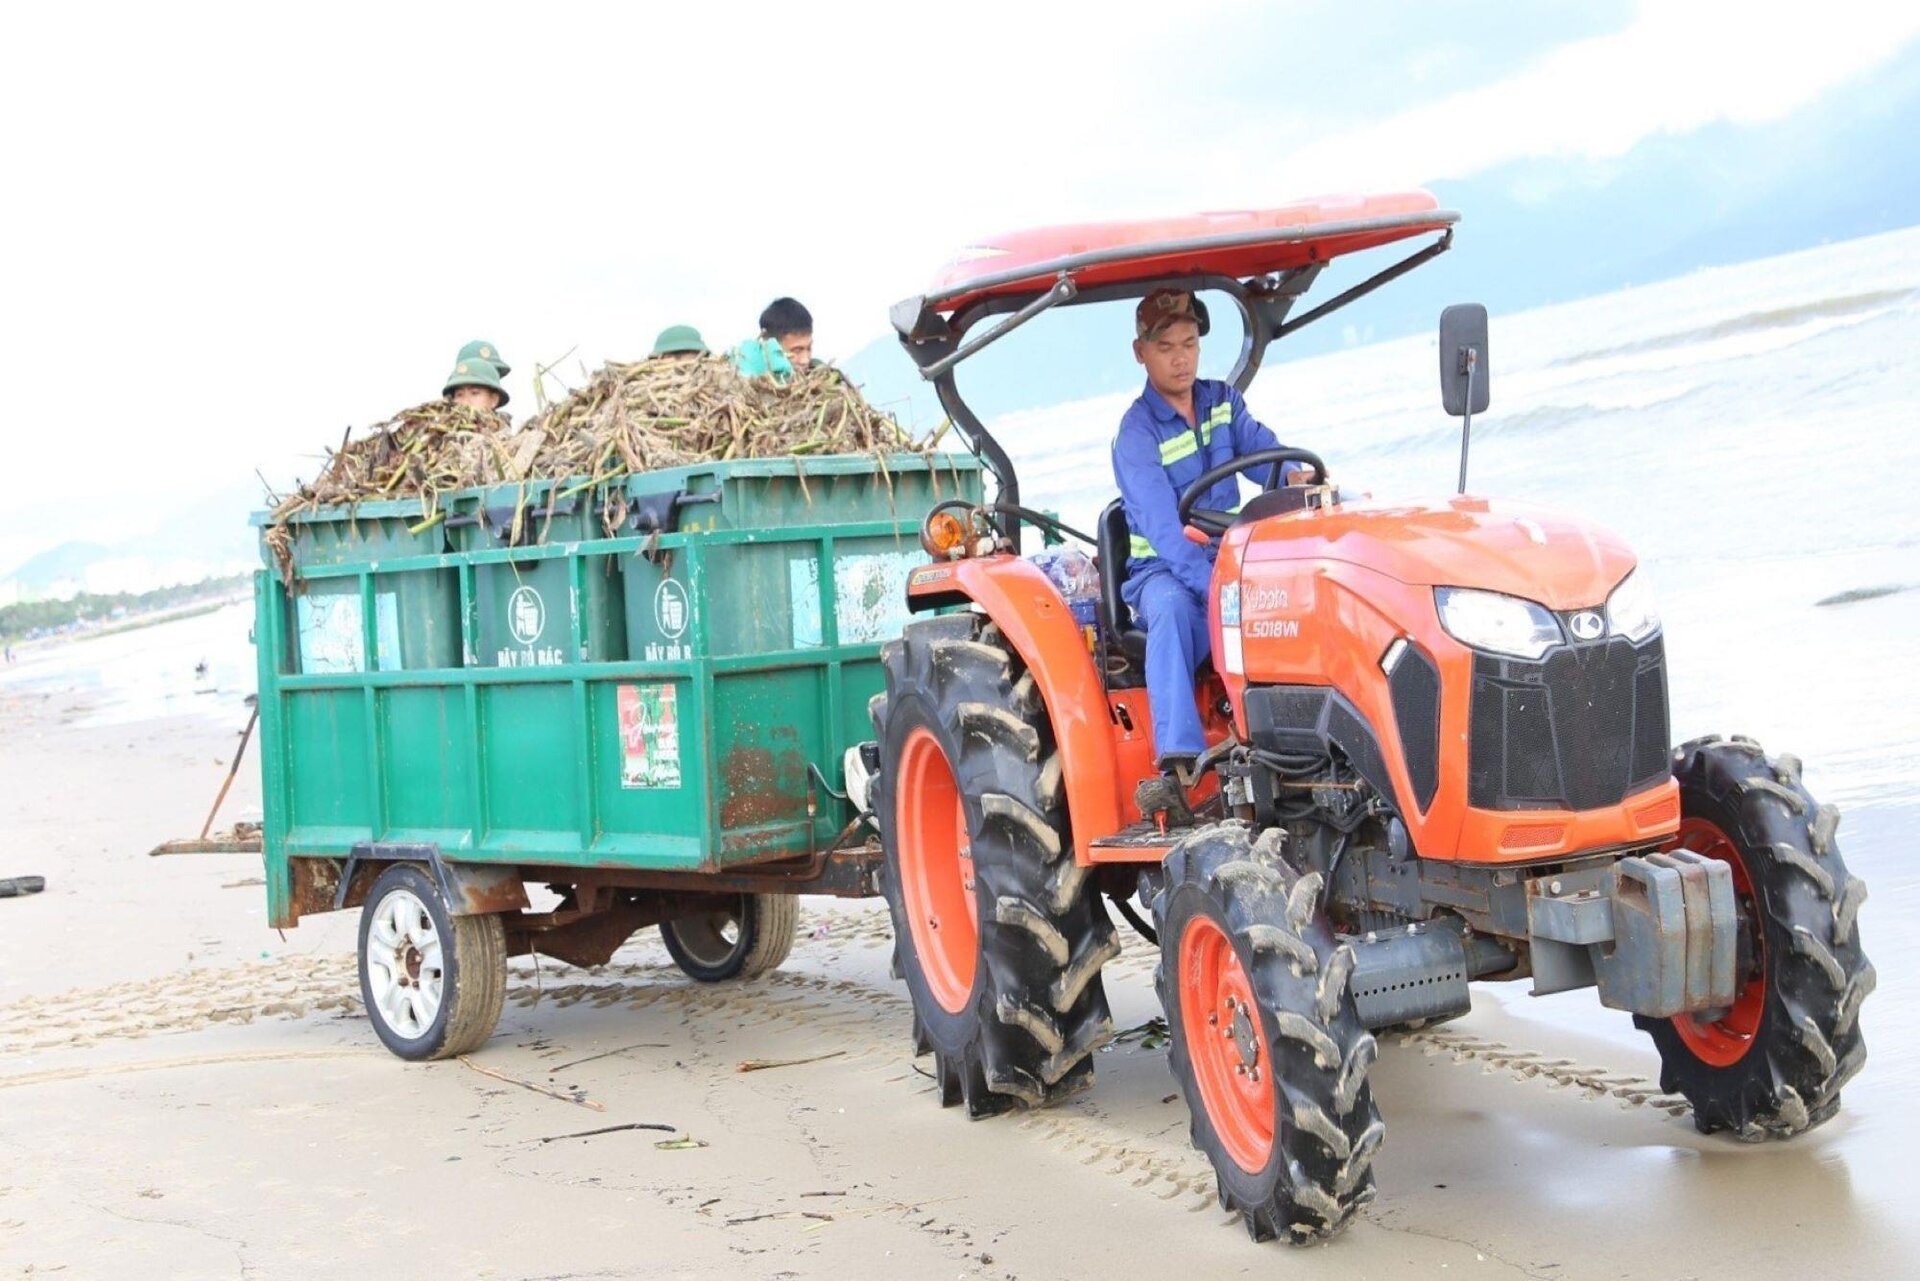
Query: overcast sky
[(231, 232)]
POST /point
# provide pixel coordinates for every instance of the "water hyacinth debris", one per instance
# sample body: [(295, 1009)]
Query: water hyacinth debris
[(636, 417)]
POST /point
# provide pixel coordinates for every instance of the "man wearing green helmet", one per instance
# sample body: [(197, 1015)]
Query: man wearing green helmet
[(678, 342), (481, 349), (475, 381)]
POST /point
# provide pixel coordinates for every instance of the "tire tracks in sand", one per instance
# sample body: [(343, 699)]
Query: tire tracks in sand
[(867, 1023)]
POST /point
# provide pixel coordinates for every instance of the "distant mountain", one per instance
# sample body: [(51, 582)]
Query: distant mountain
[(208, 538), (1534, 232), (68, 560)]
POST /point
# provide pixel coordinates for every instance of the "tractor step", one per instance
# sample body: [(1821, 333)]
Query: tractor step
[(1141, 842)]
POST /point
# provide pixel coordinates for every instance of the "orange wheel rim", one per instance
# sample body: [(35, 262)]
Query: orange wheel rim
[(1231, 1064), (936, 871), (1725, 1041)]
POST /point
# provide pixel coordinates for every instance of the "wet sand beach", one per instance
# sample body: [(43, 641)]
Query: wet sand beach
[(185, 1094)]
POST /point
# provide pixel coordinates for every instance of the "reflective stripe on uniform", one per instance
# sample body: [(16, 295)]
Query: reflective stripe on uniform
[(1139, 546), (1172, 451)]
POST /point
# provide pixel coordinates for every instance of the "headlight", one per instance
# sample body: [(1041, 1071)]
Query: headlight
[(1490, 621), (1630, 611)]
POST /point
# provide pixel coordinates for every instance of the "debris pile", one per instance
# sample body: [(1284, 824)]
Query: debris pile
[(634, 417), (668, 413)]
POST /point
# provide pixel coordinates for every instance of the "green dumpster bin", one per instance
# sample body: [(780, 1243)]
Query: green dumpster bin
[(765, 592), (541, 610), (406, 619)]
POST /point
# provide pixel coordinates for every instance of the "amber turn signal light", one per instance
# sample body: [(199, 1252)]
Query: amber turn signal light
[(944, 535)]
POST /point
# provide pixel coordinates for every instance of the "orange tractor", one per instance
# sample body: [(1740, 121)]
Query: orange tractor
[(1438, 753)]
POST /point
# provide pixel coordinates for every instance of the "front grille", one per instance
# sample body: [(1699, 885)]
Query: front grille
[(1415, 687), (1580, 729)]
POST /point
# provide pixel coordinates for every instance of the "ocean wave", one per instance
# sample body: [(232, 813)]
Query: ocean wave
[(1771, 318)]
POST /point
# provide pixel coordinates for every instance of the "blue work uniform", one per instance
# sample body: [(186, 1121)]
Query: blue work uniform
[(1156, 455)]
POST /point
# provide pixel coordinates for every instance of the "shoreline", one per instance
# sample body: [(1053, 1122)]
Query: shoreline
[(171, 614)]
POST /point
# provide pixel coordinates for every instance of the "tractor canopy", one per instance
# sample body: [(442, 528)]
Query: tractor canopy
[(1242, 244), (1265, 260)]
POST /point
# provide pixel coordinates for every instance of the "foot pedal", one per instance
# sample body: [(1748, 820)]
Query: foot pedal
[(1163, 803)]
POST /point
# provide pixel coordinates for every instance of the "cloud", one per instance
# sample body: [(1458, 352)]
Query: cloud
[(1676, 67)]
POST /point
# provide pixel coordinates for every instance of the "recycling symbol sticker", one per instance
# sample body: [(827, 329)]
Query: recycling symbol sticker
[(526, 615), (670, 609)]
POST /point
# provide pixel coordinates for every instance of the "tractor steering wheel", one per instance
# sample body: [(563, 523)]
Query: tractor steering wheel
[(1216, 522)]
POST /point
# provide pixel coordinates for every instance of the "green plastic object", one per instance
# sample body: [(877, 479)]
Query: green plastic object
[(663, 705), (481, 349), (475, 372), (679, 339)]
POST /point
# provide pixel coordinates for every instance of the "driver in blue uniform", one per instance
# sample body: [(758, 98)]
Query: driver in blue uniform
[(1181, 426)]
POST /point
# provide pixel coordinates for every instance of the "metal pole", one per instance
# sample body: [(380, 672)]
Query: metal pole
[(245, 734), (1470, 358)]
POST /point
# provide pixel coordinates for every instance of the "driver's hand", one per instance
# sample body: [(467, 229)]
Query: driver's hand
[(1298, 476)]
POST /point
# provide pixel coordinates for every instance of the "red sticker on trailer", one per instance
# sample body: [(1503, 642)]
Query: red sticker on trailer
[(649, 736)]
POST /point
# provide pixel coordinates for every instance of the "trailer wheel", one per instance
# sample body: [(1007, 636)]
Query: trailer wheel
[(997, 931), (1264, 1038), (433, 983), (743, 940), (1771, 1065)]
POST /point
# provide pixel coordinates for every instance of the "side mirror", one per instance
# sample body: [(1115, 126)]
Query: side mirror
[(1465, 379)]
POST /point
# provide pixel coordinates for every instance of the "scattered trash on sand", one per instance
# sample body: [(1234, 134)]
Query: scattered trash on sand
[(21, 886), (761, 1065), (607, 1129), (565, 1096)]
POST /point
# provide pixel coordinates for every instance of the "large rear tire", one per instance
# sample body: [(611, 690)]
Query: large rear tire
[(743, 940), (1263, 1035), (997, 932), (1771, 1065)]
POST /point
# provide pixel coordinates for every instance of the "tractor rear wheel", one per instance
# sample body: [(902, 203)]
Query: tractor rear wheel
[(997, 931), (1771, 1065), (1264, 1038)]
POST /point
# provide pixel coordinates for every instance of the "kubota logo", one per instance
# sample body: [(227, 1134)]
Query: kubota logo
[(1587, 625), (526, 615)]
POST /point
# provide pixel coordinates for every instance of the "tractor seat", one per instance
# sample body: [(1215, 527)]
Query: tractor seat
[(1112, 544)]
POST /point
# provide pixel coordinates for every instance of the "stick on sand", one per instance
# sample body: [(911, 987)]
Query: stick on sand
[(582, 1100), (761, 1065)]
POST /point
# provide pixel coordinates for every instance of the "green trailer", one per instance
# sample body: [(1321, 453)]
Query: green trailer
[(639, 694)]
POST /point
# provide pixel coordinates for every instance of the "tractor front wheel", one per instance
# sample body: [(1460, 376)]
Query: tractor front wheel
[(1770, 1065), (997, 931), (1265, 1041)]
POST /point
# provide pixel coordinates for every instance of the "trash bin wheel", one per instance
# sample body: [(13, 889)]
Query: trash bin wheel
[(743, 940), (433, 983)]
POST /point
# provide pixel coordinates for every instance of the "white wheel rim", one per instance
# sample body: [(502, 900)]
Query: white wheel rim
[(406, 969)]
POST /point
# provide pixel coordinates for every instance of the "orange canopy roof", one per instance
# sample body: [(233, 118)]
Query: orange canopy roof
[(1241, 244)]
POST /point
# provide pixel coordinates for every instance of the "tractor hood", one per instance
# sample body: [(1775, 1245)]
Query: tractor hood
[(1513, 548)]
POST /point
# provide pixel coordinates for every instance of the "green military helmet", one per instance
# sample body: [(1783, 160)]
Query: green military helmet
[(475, 371), (677, 339), (481, 349)]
